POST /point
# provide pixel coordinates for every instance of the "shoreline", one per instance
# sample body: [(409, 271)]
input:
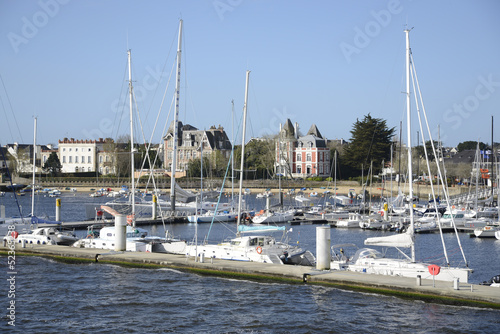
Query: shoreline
[(376, 191)]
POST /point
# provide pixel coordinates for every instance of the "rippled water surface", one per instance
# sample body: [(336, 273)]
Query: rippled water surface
[(53, 297)]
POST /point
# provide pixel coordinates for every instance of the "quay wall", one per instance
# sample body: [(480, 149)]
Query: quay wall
[(429, 291)]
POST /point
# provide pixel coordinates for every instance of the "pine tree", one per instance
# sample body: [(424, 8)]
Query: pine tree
[(52, 165), (370, 141)]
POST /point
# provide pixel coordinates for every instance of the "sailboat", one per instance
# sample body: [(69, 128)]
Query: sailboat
[(27, 230), (371, 261), (211, 215), (137, 239), (256, 248)]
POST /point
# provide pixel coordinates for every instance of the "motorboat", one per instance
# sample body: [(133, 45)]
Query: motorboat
[(136, 239), (318, 212), (264, 217), (210, 216), (374, 222), (353, 220), (487, 231), (42, 236)]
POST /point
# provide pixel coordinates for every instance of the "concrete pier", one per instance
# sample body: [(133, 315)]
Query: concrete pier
[(427, 290)]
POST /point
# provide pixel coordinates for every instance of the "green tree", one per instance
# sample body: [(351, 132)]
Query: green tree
[(420, 152), (370, 141), (194, 167), (470, 145), (259, 157), (52, 165)]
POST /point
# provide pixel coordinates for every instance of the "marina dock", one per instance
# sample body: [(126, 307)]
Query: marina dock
[(452, 293)]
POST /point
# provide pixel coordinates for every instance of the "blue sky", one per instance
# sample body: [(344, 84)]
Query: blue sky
[(322, 62)]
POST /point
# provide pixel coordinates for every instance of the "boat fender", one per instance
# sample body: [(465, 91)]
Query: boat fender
[(259, 249)]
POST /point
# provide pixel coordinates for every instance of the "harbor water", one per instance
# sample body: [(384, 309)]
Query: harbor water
[(53, 297)]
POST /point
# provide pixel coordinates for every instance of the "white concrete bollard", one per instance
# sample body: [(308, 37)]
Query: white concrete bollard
[(323, 255), (120, 233), (456, 282)]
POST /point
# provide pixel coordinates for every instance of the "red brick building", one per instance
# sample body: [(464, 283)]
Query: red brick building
[(305, 156)]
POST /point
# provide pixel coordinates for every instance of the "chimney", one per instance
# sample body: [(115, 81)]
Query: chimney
[(296, 130)]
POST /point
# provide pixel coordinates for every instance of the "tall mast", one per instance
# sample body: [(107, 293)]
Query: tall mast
[(493, 158), (408, 125), (132, 171), (242, 161), (232, 155), (34, 173), (176, 116)]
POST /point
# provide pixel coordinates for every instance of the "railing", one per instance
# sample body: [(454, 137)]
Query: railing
[(463, 198)]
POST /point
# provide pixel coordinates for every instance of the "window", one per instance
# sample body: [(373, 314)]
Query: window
[(299, 169), (70, 149), (90, 149), (70, 159), (308, 157), (64, 149), (64, 159), (299, 156), (100, 159), (76, 149), (89, 159), (321, 168)]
